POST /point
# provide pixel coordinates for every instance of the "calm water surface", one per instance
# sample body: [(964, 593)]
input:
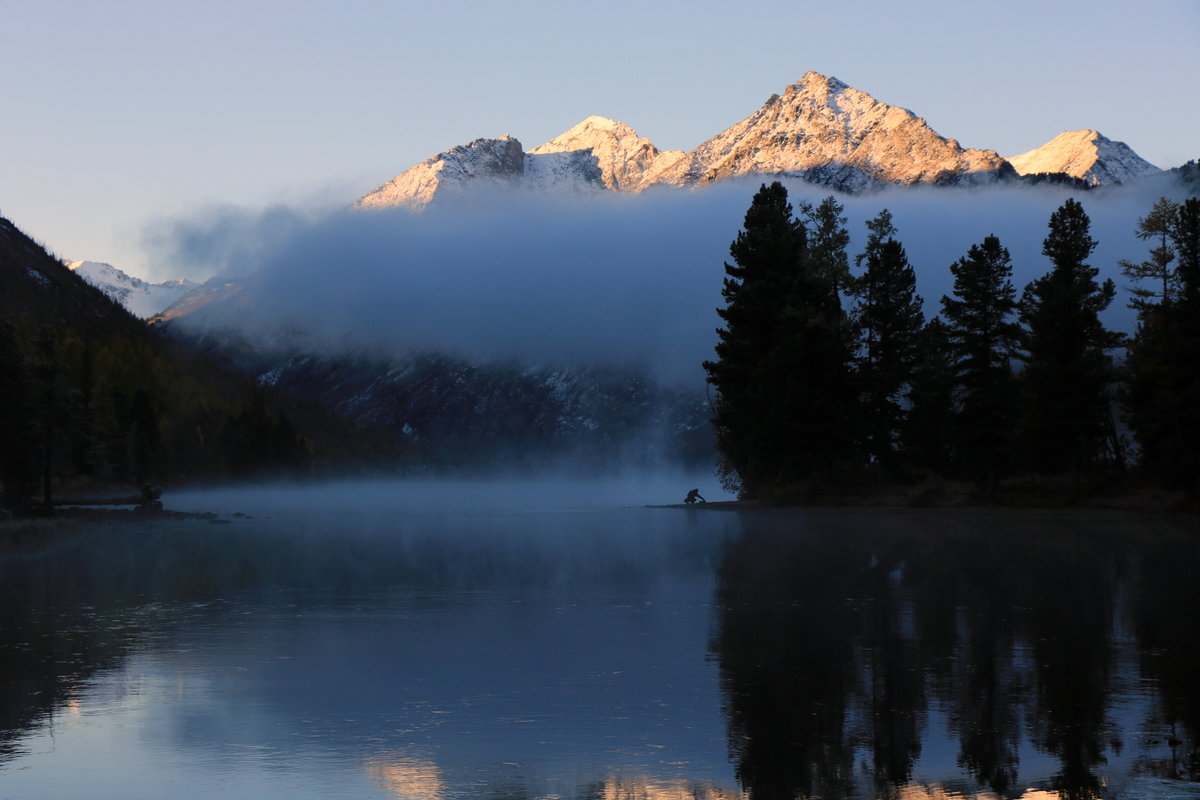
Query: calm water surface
[(433, 642)]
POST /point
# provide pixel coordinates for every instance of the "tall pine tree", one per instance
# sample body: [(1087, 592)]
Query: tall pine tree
[(1156, 270), (781, 373), (983, 337), (889, 320), (1066, 409), (927, 435), (1162, 390), (18, 439)]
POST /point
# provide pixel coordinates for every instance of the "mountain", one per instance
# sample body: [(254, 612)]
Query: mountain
[(819, 129), (624, 159), (497, 162), (826, 132), (140, 298), (1087, 155), (213, 290)]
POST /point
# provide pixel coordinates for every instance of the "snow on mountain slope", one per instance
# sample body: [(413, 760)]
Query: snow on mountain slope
[(829, 133), (1087, 155), (498, 161), (572, 171), (140, 298), (819, 129), (623, 157)]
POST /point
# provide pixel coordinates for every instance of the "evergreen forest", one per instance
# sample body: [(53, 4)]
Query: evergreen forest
[(830, 381)]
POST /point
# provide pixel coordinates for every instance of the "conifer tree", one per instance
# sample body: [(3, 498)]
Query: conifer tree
[(781, 371), (1186, 238), (927, 436), (1066, 414), (17, 432), (889, 319), (983, 336), (827, 241), (1157, 226), (1162, 389)]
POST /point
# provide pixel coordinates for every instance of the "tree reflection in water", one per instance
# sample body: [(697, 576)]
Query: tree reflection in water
[(840, 634)]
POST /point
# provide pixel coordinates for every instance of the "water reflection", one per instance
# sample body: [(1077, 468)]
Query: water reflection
[(629, 655), (850, 644), (406, 778), (442, 655)]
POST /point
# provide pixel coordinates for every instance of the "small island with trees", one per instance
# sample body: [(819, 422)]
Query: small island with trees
[(832, 386)]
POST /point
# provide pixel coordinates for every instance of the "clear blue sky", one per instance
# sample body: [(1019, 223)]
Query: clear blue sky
[(122, 112)]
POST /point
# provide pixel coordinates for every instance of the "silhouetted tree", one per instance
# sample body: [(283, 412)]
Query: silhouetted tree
[(984, 337), (1157, 226), (1162, 390), (927, 435), (1066, 409), (17, 436), (889, 319), (827, 241), (781, 372)]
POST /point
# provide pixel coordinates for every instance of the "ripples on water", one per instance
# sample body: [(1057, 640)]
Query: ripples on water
[(428, 642)]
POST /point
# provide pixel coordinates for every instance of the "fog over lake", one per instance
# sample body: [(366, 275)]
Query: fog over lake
[(438, 639)]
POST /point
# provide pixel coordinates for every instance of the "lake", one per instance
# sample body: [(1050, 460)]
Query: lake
[(505, 640)]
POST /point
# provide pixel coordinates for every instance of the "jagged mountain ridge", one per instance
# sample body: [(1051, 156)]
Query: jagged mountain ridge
[(1085, 154), (820, 130), (825, 131), (140, 298)]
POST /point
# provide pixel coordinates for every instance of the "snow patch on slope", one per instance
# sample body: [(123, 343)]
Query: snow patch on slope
[(140, 298), (499, 161)]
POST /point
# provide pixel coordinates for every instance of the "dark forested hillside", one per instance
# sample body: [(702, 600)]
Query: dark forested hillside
[(436, 411), (90, 396)]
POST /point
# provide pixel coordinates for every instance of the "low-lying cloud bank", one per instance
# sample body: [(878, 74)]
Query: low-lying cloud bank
[(602, 279)]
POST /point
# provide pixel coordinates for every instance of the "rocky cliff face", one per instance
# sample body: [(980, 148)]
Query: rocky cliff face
[(1086, 154)]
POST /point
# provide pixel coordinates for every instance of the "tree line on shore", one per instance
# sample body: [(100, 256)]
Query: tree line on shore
[(93, 399), (829, 378)]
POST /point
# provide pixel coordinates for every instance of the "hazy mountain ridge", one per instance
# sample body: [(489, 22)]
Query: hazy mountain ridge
[(444, 411), (819, 130)]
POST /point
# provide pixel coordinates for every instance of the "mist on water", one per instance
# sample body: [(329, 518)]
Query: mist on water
[(440, 495)]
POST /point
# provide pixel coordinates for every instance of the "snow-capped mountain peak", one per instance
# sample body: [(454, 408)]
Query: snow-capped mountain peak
[(827, 132), (820, 129), (1085, 154), (140, 298), (499, 161), (623, 157)]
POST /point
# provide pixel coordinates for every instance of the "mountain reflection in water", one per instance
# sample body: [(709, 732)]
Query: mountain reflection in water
[(626, 655)]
